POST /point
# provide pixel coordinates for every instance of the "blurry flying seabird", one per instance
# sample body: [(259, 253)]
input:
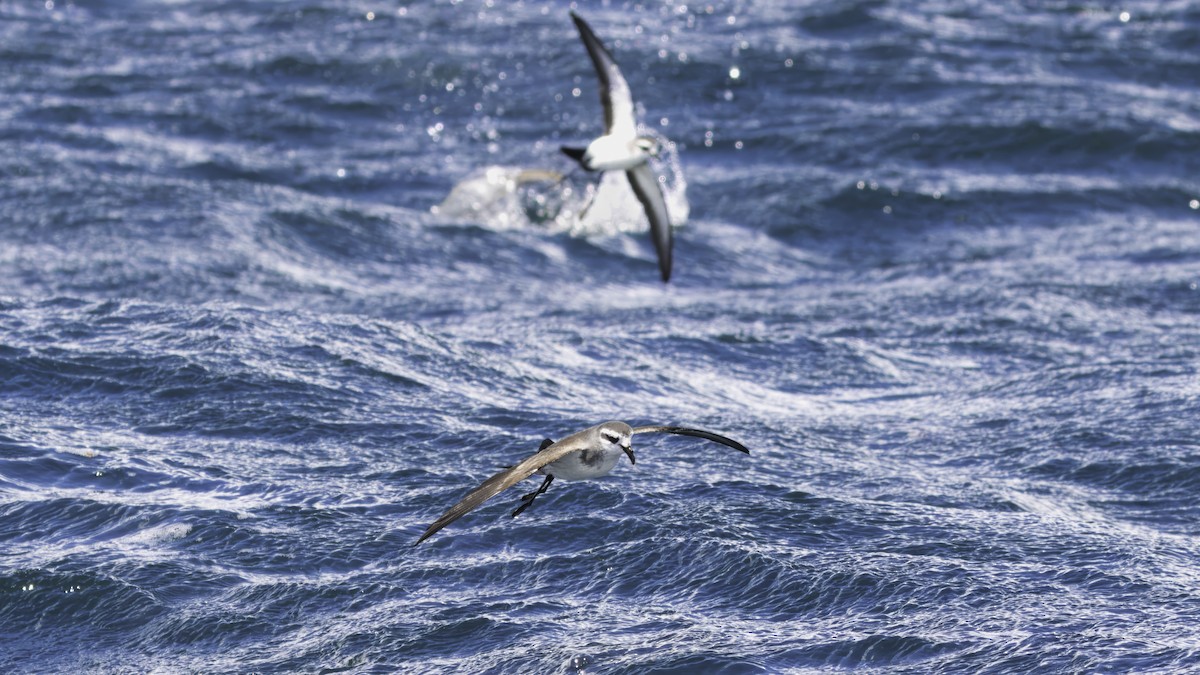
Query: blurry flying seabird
[(621, 148)]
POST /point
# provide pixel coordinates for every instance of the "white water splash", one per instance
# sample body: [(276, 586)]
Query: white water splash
[(508, 197)]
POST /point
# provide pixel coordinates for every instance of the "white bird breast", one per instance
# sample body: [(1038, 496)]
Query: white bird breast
[(613, 153), (583, 464)]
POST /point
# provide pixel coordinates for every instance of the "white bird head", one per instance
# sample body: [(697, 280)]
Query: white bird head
[(619, 435), (647, 144)]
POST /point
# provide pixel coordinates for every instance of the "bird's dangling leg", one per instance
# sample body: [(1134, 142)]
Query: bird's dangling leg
[(526, 500)]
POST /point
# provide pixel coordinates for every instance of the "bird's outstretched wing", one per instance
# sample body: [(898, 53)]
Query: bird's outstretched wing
[(547, 454), (699, 433), (649, 193), (508, 478), (615, 96)]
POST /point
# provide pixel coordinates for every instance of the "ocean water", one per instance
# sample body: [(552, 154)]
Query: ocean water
[(939, 271)]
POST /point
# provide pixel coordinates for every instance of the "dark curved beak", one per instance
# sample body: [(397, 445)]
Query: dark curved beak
[(629, 451)]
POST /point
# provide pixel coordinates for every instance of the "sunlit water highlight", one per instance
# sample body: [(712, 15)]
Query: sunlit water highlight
[(936, 265)]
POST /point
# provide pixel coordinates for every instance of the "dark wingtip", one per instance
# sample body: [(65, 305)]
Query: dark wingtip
[(580, 25), (575, 154), (698, 433), (662, 235)]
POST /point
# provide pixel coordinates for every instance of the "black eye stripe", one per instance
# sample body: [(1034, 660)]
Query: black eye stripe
[(611, 438)]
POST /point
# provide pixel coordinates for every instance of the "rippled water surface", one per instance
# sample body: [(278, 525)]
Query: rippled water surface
[(939, 272)]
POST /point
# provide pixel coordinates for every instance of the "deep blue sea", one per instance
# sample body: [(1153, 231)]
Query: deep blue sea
[(281, 281)]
